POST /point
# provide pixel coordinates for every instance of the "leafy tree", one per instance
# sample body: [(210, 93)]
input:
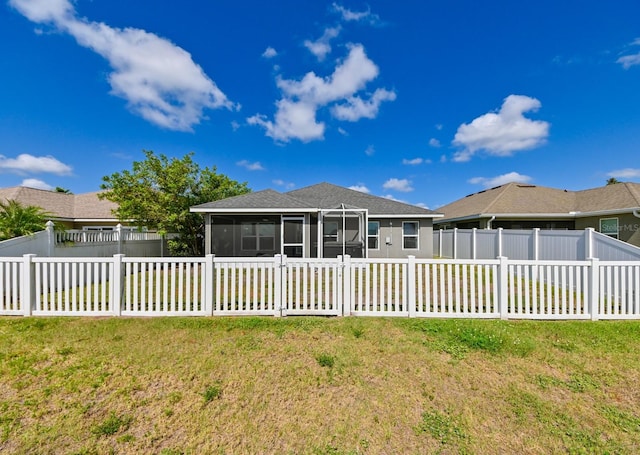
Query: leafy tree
[(612, 181), (60, 189), (17, 220), (158, 192)]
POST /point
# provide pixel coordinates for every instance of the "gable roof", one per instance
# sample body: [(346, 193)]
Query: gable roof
[(311, 199), (85, 206), (524, 200)]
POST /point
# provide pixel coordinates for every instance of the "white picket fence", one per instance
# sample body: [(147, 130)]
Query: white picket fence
[(281, 286)]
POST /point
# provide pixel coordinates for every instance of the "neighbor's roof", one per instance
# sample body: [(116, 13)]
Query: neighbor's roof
[(85, 206), (313, 198), (531, 200)]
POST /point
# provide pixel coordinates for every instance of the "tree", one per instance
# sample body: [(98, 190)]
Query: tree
[(612, 181), (60, 189), (17, 220), (158, 192)]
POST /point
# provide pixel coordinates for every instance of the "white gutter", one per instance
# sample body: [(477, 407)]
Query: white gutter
[(490, 221), (636, 213)]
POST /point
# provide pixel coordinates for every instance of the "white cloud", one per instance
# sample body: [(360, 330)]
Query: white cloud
[(439, 126), (269, 52), (286, 185), (402, 185), (413, 161), (25, 163), (627, 173), (370, 150), (35, 183), (355, 108), (628, 61), (342, 131), (504, 132), (358, 16), (490, 182), (321, 47), (159, 80), (433, 142), (235, 126), (296, 111), (360, 187), (250, 166)]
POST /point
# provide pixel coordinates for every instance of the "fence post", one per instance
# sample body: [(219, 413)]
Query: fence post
[(278, 261), (440, 243), (119, 234), (51, 238), (588, 243), (455, 244), (346, 285), (594, 289), (411, 286), (503, 288), (28, 284), (499, 242), (117, 285), (474, 240), (209, 283), (536, 244)]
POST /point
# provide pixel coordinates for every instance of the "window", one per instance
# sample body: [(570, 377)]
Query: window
[(609, 226), (410, 230), (373, 235), (258, 236), (330, 231)]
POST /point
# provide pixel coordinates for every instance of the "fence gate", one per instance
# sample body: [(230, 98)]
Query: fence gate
[(311, 287)]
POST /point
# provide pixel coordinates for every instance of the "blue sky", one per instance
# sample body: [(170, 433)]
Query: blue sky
[(420, 101)]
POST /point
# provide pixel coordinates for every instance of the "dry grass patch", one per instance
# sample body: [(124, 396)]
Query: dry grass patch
[(317, 386)]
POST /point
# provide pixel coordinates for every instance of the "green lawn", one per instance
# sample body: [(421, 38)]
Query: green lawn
[(318, 386)]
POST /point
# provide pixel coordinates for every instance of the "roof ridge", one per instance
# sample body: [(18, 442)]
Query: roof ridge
[(503, 189)]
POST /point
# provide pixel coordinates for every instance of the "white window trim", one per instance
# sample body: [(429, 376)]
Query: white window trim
[(417, 235), (331, 237), (616, 235), (377, 236)]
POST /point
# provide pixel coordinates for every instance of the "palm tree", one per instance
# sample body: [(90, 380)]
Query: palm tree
[(17, 220), (612, 181)]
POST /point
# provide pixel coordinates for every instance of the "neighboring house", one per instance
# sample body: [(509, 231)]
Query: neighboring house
[(322, 220), (613, 210), (73, 211)]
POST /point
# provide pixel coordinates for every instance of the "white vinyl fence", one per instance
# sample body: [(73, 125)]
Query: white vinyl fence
[(280, 286), (534, 244)]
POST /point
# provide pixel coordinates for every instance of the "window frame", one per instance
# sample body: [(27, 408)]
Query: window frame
[(258, 234), (376, 236), (412, 236), (615, 235)]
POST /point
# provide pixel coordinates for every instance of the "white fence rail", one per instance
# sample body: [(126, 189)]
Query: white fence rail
[(280, 286), (531, 244)]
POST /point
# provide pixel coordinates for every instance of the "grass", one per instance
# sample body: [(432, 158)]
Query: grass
[(318, 386)]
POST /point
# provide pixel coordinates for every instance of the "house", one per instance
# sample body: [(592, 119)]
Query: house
[(322, 220), (73, 211), (613, 210)]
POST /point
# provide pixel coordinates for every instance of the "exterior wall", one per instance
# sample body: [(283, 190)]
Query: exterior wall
[(628, 226), (483, 223), (391, 229)]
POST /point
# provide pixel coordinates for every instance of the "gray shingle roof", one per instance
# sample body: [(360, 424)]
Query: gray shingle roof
[(320, 196), (328, 196), (265, 199)]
